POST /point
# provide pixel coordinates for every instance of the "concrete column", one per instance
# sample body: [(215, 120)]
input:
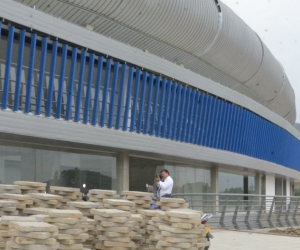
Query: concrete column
[(122, 181), (214, 180), (258, 184)]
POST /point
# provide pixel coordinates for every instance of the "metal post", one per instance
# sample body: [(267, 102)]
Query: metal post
[(236, 226), (223, 213), (295, 214), (258, 218), (288, 223), (270, 214), (279, 214), (248, 215)]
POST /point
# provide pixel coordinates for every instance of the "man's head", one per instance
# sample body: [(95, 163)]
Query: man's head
[(165, 173)]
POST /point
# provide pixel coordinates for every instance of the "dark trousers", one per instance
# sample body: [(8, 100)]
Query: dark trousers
[(167, 196)]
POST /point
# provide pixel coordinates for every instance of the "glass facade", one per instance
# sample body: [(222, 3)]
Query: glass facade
[(57, 168), (236, 183), (187, 178)]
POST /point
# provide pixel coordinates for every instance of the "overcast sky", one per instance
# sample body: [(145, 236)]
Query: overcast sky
[(277, 22)]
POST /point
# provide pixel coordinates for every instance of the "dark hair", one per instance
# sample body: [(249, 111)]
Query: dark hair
[(165, 170)]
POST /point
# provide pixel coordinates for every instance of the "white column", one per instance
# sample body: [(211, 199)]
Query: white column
[(288, 188), (270, 185), (122, 181)]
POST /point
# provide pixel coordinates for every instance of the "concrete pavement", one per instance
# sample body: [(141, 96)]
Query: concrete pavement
[(234, 240)]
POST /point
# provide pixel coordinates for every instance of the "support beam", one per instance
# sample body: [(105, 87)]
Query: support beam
[(214, 175), (122, 180)]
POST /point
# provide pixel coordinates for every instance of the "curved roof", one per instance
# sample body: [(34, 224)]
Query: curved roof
[(203, 36)]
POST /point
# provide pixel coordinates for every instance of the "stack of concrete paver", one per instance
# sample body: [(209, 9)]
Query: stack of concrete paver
[(98, 195), (8, 207), (24, 201), (46, 200), (31, 187), (4, 227), (138, 229), (32, 235), (152, 220), (174, 203), (184, 231), (36, 211), (118, 204), (115, 229), (85, 209), (68, 194), (142, 200), (10, 189), (72, 227)]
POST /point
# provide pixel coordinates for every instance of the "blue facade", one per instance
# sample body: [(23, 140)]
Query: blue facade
[(86, 87)]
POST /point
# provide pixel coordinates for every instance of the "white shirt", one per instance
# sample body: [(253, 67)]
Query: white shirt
[(166, 186)]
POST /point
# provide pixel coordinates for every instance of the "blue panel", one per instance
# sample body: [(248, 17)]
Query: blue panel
[(224, 140), (147, 115), (172, 108), (205, 120), (240, 131), (51, 79), (181, 114), (215, 119), (113, 95), (196, 113), (165, 120), (246, 133), (231, 135), (71, 84), (105, 92), (30, 73), (220, 127), (128, 99), (176, 113), (88, 89), (97, 91), (135, 100), (191, 115), (19, 68), (200, 119), (210, 123), (41, 76), (9, 50), (186, 114), (120, 99), (61, 80), (161, 107), (142, 102), (154, 108)]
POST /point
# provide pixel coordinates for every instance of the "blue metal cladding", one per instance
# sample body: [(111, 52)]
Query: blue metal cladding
[(153, 105), (61, 81), (30, 73), (113, 95), (19, 69), (71, 84), (97, 91), (41, 76), (88, 89), (135, 100)]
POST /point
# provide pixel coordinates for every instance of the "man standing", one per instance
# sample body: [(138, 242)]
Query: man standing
[(165, 187)]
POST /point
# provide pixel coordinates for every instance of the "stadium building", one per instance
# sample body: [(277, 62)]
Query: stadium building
[(108, 93)]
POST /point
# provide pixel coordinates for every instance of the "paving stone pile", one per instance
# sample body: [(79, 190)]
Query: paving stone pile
[(142, 200), (172, 203), (31, 187), (32, 235), (24, 201), (118, 204), (115, 229), (36, 211), (183, 232), (85, 209), (68, 194), (152, 231), (98, 195), (10, 189), (72, 227), (46, 200), (138, 228), (8, 207), (4, 227)]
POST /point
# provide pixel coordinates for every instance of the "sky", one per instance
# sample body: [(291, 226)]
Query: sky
[(277, 22)]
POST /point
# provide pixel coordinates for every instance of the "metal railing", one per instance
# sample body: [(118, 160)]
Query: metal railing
[(246, 211)]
